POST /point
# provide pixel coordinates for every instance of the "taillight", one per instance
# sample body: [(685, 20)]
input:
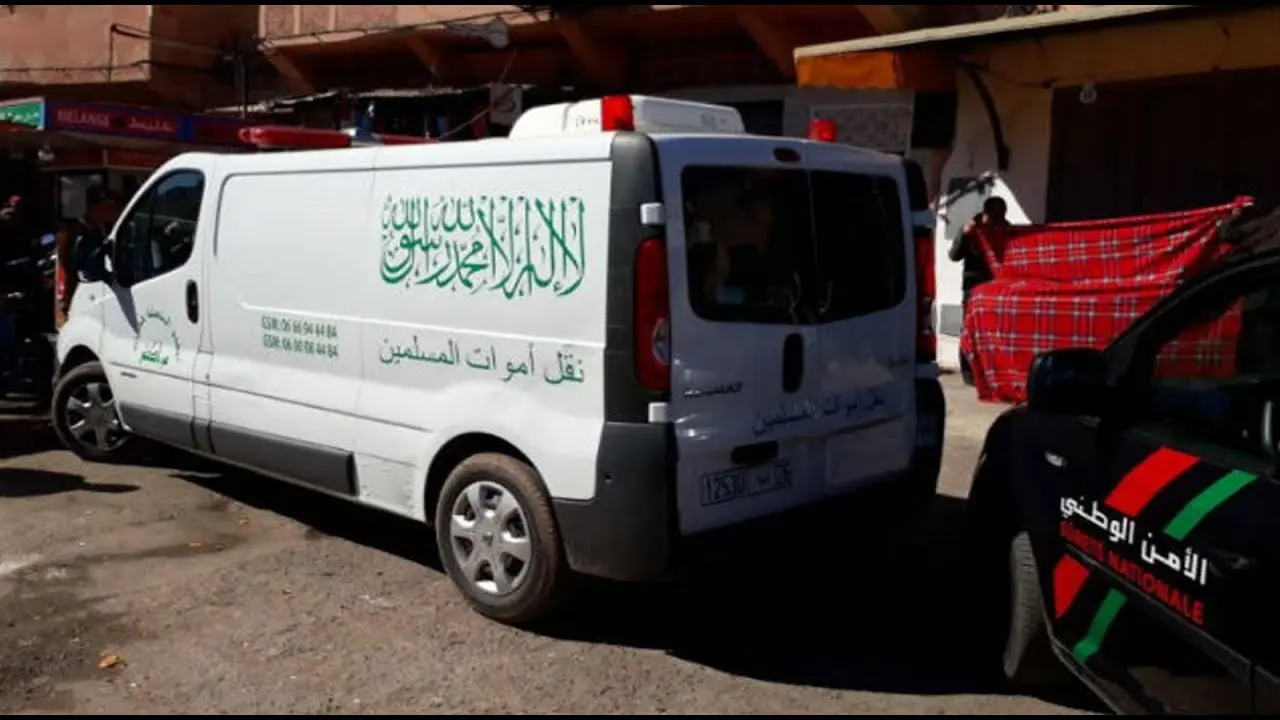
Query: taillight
[(652, 321), (617, 113), (926, 293), (822, 130)]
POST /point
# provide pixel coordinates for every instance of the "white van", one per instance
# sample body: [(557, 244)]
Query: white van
[(566, 351)]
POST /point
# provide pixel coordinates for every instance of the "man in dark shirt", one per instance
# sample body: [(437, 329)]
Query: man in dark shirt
[(15, 238), (87, 235), (965, 249)]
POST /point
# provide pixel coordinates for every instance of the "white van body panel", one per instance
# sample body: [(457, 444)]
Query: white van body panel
[(402, 283), (484, 305), (286, 329), (851, 421)]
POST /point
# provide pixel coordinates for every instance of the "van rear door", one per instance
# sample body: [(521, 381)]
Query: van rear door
[(791, 337)]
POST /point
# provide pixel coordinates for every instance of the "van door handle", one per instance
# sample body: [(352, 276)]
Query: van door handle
[(193, 302), (792, 363)]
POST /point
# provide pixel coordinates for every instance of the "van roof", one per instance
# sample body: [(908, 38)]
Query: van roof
[(548, 148)]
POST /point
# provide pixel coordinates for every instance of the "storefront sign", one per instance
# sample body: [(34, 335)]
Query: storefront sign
[(28, 113), (115, 121)]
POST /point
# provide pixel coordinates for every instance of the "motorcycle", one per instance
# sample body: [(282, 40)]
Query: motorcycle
[(26, 303)]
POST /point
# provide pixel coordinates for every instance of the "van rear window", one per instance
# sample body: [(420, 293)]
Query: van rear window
[(792, 246)]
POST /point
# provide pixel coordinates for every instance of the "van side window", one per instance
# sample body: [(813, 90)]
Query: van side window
[(158, 235), (792, 246)]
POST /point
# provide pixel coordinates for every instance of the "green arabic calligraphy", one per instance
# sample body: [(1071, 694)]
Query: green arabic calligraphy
[(158, 331), (510, 244), (567, 368)]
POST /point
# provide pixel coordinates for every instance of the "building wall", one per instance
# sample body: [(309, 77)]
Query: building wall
[(203, 27), (285, 23), (1021, 77), (71, 44), (71, 49)]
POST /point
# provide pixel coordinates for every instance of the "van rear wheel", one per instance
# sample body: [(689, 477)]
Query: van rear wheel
[(85, 415), (498, 539)]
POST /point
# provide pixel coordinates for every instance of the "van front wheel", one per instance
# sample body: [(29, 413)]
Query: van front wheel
[(498, 540), (85, 415)]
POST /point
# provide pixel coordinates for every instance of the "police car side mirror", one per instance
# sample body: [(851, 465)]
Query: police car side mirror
[(1068, 382)]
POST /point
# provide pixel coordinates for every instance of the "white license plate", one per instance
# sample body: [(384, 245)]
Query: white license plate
[(728, 485)]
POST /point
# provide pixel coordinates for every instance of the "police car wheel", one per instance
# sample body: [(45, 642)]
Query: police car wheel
[(85, 416), (1027, 660), (498, 540)]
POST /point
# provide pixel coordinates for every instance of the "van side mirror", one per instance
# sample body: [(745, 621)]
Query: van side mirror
[(1068, 382), (93, 264)]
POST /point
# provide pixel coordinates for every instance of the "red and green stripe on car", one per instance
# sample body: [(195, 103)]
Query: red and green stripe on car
[(1131, 496)]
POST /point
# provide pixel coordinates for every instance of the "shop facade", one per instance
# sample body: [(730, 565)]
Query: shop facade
[(1088, 112), (54, 150), (523, 56)]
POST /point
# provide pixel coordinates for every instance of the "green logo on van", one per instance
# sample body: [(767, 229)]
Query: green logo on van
[(157, 343), (510, 244)]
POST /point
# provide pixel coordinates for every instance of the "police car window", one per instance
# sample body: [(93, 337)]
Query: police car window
[(1212, 376), (158, 235), (792, 246)]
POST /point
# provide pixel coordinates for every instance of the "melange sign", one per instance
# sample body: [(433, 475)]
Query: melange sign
[(114, 120), (514, 246)]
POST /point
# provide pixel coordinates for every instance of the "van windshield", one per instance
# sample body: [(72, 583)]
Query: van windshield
[(791, 246)]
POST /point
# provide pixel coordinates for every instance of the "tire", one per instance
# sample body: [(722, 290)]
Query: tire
[(1027, 660), (493, 480), (76, 384)]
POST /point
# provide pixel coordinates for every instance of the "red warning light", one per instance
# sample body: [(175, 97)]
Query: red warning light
[(279, 137), (822, 130)]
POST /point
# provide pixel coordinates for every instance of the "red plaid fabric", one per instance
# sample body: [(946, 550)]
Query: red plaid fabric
[(1081, 284)]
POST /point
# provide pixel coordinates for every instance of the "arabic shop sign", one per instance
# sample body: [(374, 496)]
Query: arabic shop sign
[(30, 114), (114, 120), (147, 123)]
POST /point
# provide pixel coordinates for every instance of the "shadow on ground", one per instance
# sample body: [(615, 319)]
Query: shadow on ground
[(25, 434), (854, 606), (25, 482), (324, 516)]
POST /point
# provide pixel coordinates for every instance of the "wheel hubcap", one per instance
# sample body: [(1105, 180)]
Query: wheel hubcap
[(490, 538), (92, 417)]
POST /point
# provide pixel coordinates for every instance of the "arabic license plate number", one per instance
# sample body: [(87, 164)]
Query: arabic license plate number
[(728, 485)]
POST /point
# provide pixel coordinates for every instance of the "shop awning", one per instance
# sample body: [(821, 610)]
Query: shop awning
[(920, 60)]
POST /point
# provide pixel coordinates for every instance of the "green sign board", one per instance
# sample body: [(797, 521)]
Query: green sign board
[(29, 113)]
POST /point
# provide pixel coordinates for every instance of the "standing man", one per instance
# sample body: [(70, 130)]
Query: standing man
[(966, 249), (87, 236)]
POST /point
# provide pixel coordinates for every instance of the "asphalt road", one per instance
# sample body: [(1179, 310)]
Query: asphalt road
[(181, 587)]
